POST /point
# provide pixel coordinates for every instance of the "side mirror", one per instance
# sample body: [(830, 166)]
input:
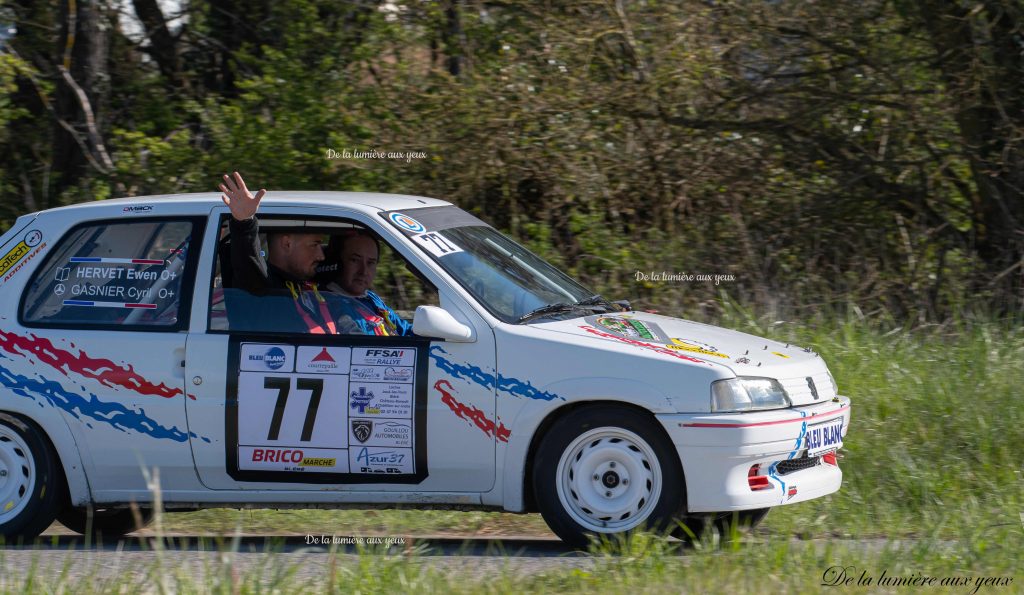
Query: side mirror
[(437, 323)]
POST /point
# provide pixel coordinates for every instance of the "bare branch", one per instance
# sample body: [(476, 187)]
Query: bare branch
[(90, 120)]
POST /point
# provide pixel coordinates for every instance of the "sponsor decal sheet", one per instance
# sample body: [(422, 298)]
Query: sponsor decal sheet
[(326, 409)]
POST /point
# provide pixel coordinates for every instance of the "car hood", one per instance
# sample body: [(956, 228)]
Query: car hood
[(801, 371)]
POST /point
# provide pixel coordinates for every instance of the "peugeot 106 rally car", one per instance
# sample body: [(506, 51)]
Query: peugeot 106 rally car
[(126, 348)]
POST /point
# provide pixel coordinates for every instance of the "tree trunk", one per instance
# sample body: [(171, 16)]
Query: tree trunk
[(452, 37), (162, 46), (84, 54), (984, 70)]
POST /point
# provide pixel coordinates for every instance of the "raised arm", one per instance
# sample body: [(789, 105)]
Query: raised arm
[(249, 269)]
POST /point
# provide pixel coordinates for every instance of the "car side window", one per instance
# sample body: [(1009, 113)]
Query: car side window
[(115, 275), (390, 287)]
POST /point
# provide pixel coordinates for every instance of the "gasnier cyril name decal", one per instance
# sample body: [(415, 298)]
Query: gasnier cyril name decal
[(317, 409), (133, 283)]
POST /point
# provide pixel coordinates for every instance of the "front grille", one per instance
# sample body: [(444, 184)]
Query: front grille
[(794, 465), (799, 390)]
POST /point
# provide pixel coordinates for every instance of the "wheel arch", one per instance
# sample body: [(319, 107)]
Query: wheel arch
[(572, 392), (527, 493), (54, 429)]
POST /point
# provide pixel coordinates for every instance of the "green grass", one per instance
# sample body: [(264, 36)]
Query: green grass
[(356, 522), (936, 442)]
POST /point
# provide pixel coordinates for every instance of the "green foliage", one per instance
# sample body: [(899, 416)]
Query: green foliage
[(821, 155)]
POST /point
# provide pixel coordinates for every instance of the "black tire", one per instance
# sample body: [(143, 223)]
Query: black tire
[(574, 521), (105, 522), (726, 525), (32, 481), (690, 529), (736, 523)]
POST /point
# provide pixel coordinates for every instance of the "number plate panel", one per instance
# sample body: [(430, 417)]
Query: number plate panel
[(824, 437), (339, 409)]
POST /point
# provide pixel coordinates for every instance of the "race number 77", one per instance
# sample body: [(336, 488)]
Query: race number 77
[(283, 388), (437, 244)]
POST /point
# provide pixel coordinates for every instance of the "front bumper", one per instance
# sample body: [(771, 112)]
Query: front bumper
[(717, 451)]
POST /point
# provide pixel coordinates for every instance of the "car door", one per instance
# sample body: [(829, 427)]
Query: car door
[(106, 316), (273, 409)]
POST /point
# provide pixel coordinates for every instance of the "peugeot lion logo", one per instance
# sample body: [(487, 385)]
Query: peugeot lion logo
[(362, 428)]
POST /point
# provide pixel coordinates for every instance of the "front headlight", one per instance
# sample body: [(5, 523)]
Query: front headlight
[(747, 394)]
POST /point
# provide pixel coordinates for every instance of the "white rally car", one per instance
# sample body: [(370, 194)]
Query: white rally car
[(125, 348)]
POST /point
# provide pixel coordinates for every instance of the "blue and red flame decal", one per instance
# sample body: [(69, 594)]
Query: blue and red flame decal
[(477, 375), (86, 407), (104, 371)]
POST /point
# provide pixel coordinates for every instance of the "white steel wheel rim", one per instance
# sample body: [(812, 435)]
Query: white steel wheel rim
[(609, 480), (17, 474)]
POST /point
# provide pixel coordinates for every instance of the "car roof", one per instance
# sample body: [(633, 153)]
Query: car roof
[(203, 201)]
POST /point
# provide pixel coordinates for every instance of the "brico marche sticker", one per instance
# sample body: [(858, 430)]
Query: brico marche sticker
[(320, 409)]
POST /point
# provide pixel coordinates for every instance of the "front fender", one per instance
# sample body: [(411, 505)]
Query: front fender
[(572, 390), (52, 422)]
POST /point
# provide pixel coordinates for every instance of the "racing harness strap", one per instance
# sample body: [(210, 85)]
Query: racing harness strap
[(373, 323), (304, 296)]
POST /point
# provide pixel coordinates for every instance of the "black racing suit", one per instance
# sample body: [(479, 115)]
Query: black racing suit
[(265, 298)]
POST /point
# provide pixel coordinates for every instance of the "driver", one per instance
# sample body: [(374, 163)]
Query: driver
[(289, 270)]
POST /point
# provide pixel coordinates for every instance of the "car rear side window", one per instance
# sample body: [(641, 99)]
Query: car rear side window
[(120, 275)]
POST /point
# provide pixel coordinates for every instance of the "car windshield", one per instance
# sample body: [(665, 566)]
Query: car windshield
[(514, 284)]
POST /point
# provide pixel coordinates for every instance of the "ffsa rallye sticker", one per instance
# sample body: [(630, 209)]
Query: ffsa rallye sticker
[(351, 412)]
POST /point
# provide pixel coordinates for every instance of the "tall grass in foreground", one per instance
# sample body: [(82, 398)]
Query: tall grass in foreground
[(643, 564)]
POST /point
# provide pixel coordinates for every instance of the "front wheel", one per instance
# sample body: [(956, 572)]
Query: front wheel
[(607, 470)]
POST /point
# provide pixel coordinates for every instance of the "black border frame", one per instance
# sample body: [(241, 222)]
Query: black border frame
[(187, 287), (233, 366)]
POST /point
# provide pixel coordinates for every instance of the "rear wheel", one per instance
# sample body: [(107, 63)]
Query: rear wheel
[(105, 522), (739, 522), (607, 470), (30, 480), (726, 525)]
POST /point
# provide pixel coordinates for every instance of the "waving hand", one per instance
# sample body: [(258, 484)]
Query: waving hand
[(237, 197)]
